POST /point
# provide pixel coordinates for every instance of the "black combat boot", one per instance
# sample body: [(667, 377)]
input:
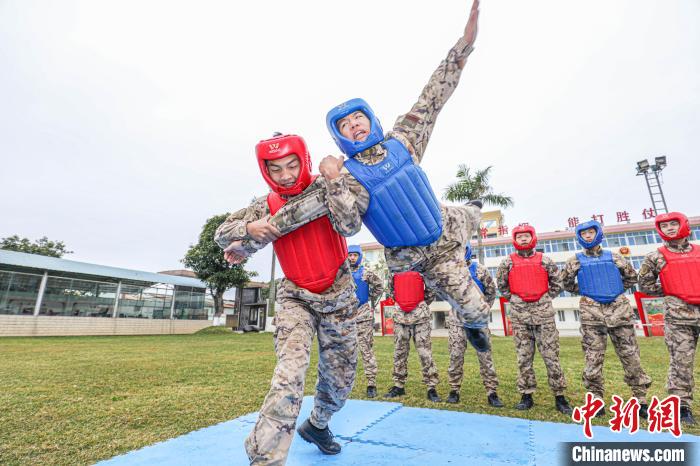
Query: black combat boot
[(562, 405), (494, 400), (322, 438), (371, 391), (433, 396), (644, 411), (687, 416), (478, 338), (394, 392), (453, 397), (525, 402)]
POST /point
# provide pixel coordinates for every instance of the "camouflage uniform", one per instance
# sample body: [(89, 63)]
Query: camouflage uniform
[(681, 323), (599, 320), (457, 342), (330, 315), (365, 325), (345, 199), (414, 325), (533, 324)]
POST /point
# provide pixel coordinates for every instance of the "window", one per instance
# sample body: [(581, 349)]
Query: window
[(78, 298), (561, 245), (562, 316), (577, 315), (18, 292), (250, 295)]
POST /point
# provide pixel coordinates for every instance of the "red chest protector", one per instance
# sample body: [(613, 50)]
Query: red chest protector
[(409, 290), (680, 276), (528, 278), (311, 255)]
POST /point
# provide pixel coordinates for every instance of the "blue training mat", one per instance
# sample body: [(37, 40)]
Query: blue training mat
[(384, 433)]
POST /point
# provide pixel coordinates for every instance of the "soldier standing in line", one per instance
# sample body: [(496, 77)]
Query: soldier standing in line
[(601, 278), (369, 289), (673, 271), (458, 344), (316, 297), (530, 280), (412, 321)]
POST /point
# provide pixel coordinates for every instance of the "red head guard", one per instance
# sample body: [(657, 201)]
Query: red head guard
[(683, 230), (279, 147), (525, 229)]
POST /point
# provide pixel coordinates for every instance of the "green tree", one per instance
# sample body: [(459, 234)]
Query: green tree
[(206, 259), (43, 246), (476, 186)]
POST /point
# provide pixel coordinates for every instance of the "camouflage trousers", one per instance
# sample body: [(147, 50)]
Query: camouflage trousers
[(452, 282), (681, 341), (420, 334), (457, 342), (296, 323), (546, 338), (365, 342), (594, 343)]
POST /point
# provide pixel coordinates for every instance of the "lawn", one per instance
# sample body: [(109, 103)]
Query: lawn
[(77, 400)]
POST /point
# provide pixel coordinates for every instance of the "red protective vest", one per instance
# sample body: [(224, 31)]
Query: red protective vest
[(409, 290), (680, 276), (311, 255), (528, 278)]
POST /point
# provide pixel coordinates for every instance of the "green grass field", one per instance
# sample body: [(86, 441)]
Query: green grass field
[(77, 400)]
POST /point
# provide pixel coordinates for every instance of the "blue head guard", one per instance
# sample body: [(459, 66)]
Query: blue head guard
[(598, 235), (348, 147), (468, 253), (356, 249)]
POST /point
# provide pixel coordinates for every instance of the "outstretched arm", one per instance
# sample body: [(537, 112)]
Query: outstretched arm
[(416, 126)]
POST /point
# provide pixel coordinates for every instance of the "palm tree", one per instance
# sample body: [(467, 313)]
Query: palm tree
[(476, 186)]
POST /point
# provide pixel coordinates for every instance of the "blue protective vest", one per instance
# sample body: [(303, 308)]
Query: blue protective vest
[(599, 277), (472, 271), (362, 287), (403, 210)]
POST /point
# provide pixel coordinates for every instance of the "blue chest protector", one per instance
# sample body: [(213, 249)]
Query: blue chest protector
[(472, 271), (599, 277), (403, 210), (362, 290)]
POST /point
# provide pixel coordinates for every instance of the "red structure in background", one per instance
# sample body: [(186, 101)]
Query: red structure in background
[(387, 308), (653, 323), (507, 327)]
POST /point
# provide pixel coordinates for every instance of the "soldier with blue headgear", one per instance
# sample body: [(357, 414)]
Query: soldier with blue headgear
[(383, 185), (457, 342), (601, 278), (369, 288)]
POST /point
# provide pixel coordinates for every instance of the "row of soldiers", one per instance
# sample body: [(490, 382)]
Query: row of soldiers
[(530, 280), (307, 217)]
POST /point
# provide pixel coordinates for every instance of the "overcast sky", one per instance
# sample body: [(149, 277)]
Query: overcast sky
[(124, 125)]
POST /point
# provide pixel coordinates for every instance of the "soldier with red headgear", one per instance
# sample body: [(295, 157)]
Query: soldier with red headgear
[(530, 280), (382, 185), (673, 271), (317, 296), (412, 321)]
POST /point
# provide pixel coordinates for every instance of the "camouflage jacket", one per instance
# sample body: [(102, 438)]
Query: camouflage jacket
[(535, 313), (339, 296), (346, 199), (614, 314), (676, 310), (376, 288)]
